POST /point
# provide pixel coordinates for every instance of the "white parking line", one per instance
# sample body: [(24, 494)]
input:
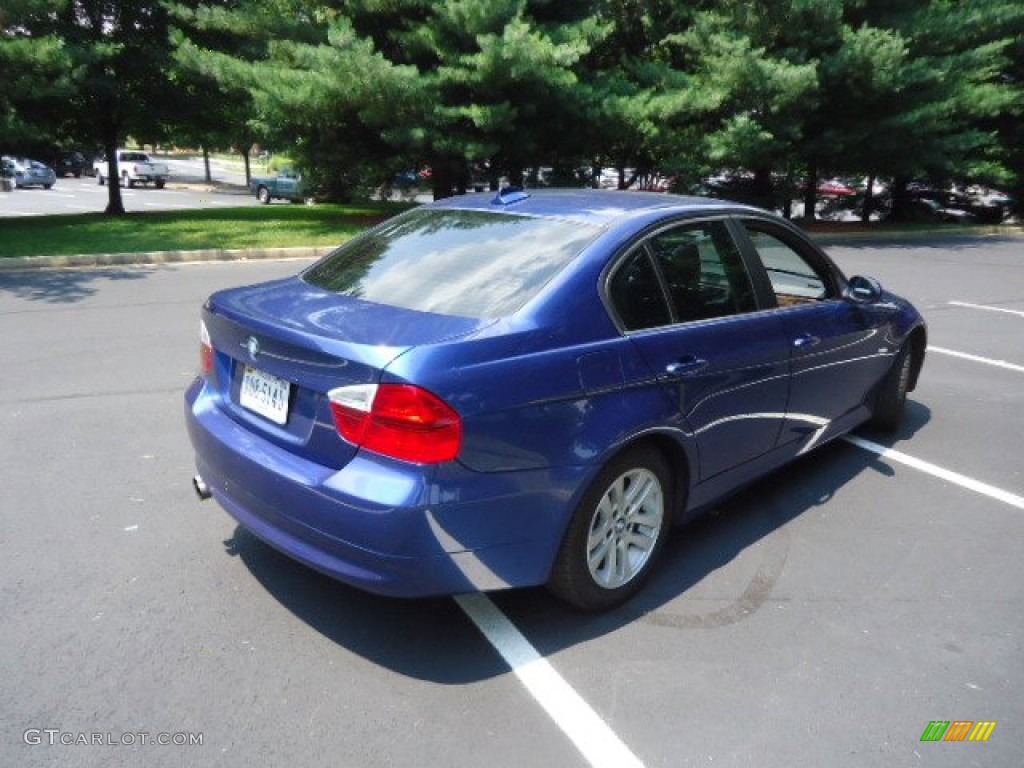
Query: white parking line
[(977, 359), (968, 305), (936, 471), (591, 735)]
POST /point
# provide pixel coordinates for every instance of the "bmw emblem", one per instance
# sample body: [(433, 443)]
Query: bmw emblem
[(253, 346)]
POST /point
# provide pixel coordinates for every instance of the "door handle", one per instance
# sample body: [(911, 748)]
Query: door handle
[(806, 340), (685, 365)]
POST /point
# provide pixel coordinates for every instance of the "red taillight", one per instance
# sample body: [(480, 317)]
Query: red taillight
[(205, 350), (398, 420)]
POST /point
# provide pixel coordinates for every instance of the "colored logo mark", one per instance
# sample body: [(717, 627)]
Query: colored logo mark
[(958, 730)]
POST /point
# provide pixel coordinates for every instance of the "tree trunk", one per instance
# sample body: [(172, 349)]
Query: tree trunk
[(764, 194), (115, 205), (245, 159), (900, 199), (442, 179), (787, 205), (811, 193), (869, 200), (206, 163)]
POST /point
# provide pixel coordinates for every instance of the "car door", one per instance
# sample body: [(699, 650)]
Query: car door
[(839, 347), (684, 298), (287, 181)]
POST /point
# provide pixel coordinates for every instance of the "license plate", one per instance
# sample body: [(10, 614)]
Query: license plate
[(265, 394)]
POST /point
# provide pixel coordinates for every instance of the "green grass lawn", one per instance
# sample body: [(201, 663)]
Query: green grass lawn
[(268, 226)]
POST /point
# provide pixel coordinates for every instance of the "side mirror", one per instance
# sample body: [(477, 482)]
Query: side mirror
[(863, 290)]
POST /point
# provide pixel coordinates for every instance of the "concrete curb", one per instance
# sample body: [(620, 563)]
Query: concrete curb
[(851, 238), (161, 257), (313, 252)]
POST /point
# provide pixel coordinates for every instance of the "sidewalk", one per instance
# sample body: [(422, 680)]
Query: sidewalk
[(160, 257), (199, 183)]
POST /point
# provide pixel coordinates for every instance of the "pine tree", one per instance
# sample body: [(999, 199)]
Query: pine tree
[(112, 59)]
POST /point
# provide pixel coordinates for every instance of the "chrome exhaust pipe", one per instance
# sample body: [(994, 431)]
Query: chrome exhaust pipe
[(202, 489)]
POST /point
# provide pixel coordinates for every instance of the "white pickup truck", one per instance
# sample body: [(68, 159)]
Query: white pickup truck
[(134, 167)]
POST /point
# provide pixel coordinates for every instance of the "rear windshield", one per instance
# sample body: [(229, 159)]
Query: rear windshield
[(469, 263)]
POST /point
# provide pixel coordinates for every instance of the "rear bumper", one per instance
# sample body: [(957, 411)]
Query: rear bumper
[(385, 526)]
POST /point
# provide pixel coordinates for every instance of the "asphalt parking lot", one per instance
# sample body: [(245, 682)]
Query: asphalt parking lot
[(824, 617), (186, 189)]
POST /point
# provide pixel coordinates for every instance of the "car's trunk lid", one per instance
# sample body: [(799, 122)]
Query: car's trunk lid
[(281, 346)]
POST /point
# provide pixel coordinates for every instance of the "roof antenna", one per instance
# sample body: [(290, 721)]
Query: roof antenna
[(509, 195)]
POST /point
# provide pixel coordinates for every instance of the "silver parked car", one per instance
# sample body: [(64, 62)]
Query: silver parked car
[(29, 173)]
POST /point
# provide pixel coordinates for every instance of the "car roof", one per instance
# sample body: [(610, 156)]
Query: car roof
[(599, 207)]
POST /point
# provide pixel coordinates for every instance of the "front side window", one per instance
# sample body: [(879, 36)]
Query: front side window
[(794, 279), (456, 262)]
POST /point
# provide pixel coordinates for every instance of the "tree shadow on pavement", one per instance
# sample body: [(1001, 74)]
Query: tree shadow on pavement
[(64, 286)]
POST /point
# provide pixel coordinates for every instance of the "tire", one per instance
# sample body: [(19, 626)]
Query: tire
[(99, 178), (892, 395), (126, 181), (263, 195), (616, 532), (47, 186), (159, 183)]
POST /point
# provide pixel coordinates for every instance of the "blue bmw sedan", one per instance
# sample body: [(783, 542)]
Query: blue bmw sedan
[(530, 388)]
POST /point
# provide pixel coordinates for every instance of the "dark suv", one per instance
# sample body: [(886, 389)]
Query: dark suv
[(69, 163)]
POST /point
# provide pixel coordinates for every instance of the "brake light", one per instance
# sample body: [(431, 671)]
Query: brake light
[(205, 350), (402, 421)]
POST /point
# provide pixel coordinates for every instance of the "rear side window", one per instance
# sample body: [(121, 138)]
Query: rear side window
[(468, 263), (635, 292)]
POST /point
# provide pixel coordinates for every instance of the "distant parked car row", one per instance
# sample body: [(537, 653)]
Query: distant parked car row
[(133, 167), (958, 204)]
